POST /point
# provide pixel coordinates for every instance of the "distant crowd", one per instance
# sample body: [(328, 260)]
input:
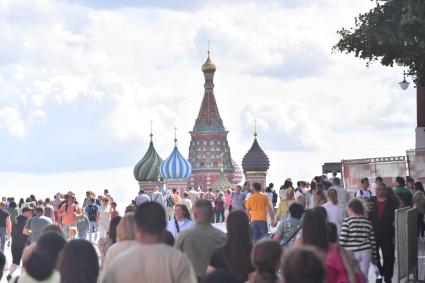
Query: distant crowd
[(313, 232)]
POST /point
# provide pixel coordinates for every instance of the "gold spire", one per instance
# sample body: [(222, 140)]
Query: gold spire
[(208, 66), (175, 136), (222, 163), (159, 174), (255, 128), (151, 135)]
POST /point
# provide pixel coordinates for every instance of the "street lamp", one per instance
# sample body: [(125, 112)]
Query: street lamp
[(404, 84)]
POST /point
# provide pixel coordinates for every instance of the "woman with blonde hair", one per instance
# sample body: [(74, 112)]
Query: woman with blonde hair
[(126, 239), (282, 210), (334, 211)]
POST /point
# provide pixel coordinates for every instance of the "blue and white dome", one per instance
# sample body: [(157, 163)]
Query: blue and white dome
[(176, 167)]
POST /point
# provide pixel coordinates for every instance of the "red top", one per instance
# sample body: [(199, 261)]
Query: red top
[(380, 205)]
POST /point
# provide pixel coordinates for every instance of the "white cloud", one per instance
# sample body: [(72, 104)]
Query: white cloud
[(11, 121)]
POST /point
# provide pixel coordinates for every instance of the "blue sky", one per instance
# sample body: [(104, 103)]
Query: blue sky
[(80, 80)]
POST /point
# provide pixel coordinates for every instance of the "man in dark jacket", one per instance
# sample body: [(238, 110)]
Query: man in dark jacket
[(381, 214)]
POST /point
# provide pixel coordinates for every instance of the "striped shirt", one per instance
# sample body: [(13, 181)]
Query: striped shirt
[(357, 235)]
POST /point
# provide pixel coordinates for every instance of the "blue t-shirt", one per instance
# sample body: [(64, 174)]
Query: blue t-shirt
[(91, 211)]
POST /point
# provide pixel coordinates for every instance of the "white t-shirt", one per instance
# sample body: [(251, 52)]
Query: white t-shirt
[(104, 213)]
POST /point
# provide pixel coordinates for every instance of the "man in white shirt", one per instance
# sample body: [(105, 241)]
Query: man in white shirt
[(142, 198), (151, 261), (157, 196), (364, 191), (343, 195), (378, 180)]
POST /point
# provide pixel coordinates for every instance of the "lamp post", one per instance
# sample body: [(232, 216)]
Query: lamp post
[(404, 84)]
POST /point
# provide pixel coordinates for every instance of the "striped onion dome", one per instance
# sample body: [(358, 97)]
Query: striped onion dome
[(147, 168), (237, 175), (176, 167)]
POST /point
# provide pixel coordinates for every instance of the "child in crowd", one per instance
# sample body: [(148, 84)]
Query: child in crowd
[(72, 233), (114, 211), (83, 224)]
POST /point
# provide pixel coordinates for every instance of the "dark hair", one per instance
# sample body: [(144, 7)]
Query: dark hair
[(419, 187), (336, 181), (52, 228), (167, 238), (42, 261), (21, 202), (186, 215), (287, 184), (265, 257), (106, 191), (2, 263), (32, 198), (222, 276), (332, 232), (379, 179), (364, 180), (296, 210), (12, 204), (257, 187), (237, 248), (150, 218), (112, 233), (315, 230), (174, 190), (39, 209), (79, 262), (302, 264), (268, 190), (401, 181), (357, 207)]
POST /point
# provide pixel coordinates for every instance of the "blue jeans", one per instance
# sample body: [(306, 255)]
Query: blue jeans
[(2, 237), (219, 214), (259, 230), (92, 231)]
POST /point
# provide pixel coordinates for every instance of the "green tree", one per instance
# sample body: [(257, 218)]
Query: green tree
[(392, 32)]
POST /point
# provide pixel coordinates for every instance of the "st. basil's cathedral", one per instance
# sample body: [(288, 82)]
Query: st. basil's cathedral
[(210, 163)]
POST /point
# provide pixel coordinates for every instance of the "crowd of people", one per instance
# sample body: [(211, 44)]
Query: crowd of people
[(312, 232)]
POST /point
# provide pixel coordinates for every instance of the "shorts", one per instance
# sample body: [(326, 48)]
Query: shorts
[(17, 254)]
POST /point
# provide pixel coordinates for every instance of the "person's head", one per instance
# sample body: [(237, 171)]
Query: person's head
[(2, 263), (302, 264), (365, 183), (379, 190), (93, 200), (52, 228), (167, 238), (379, 180), (112, 230), (106, 192), (238, 189), (289, 194), (2, 204), (334, 173), (313, 186), (181, 212), (300, 199), (105, 201), (79, 262), (47, 201), (150, 222), (256, 187), (271, 185), (88, 194), (336, 181), (315, 232), (202, 211), (13, 204), (185, 195), (287, 184), (125, 229), (113, 205), (410, 182), (210, 190), (332, 196), (174, 190), (141, 192), (399, 182), (356, 208), (27, 212), (296, 210), (39, 210), (41, 262), (32, 197), (265, 257), (222, 276), (303, 184), (40, 202), (419, 187), (72, 232)]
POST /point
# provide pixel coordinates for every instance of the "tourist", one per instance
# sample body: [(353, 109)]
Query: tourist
[(309, 194), (126, 240), (343, 195), (357, 235), (405, 195), (69, 212), (83, 225), (104, 217), (265, 257), (302, 264), (87, 199), (182, 220), (410, 184), (318, 197), (142, 198), (176, 196), (364, 192), (141, 262), (21, 205), (12, 208), (55, 203), (219, 207), (4, 225), (290, 226), (269, 194), (111, 238), (186, 201), (234, 255), (257, 207), (35, 224), (39, 260), (334, 175), (79, 263), (335, 212), (114, 211), (300, 190), (48, 209), (157, 196), (419, 203), (381, 215), (19, 239), (92, 210), (2, 264), (106, 194), (282, 210), (210, 196), (169, 205), (286, 185), (193, 195), (238, 198), (378, 180), (200, 241), (228, 200)]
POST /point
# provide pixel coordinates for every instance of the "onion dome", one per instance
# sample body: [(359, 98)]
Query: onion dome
[(222, 183), (255, 159), (208, 66), (176, 167), (147, 168), (237, 175)]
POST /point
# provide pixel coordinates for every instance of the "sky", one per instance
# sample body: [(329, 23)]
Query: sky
[(80, 81)]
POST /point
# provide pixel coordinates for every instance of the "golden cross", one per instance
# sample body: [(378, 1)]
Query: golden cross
[(151, 135), (208, 42), (175, 136), (255, 128)]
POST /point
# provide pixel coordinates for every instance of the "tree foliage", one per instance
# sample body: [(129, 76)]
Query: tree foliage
[(392, 32)]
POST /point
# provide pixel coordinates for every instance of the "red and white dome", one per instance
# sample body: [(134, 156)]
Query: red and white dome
[(237, 175)]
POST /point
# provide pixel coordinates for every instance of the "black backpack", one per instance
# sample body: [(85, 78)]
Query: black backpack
[(274, 199), (92, 211)]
